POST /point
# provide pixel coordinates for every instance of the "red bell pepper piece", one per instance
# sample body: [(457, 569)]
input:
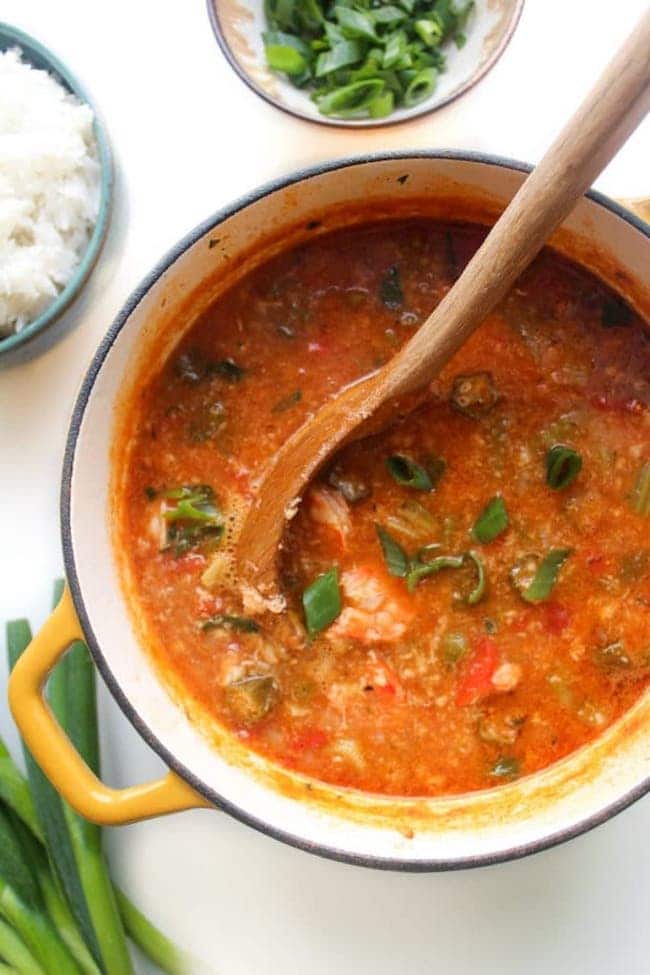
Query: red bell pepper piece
[(556, 618), (309, 739), (476, 681)]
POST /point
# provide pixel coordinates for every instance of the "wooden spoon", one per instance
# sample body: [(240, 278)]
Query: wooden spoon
[(604, 121)]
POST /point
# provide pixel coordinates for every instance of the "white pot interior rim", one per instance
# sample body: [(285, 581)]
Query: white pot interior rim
[(254, 819)]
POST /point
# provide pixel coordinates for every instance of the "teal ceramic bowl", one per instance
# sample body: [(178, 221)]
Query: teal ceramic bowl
[(52, 323)]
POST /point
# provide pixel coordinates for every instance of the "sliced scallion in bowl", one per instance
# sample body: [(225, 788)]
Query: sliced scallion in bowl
[(363, 58)]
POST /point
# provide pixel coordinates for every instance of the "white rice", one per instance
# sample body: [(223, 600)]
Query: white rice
[(49, 189)]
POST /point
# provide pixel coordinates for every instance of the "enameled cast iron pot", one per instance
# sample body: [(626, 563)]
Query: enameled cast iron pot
[(409, 834)]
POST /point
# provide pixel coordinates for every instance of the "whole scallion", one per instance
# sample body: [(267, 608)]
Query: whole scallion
[(22, 905), (49, 809), (80, 722), (15, 952), (49, 844)]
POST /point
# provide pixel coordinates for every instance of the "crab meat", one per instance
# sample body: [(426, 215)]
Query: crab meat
[(157, 529), (329, 508), (506, 677), (376, 609)]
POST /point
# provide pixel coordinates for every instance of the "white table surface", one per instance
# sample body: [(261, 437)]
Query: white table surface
[(189, 137)]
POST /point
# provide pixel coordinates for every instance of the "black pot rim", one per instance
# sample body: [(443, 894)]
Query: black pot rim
[(218, 800)]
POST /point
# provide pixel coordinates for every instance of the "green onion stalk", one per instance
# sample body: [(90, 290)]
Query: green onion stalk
[(62, 913)]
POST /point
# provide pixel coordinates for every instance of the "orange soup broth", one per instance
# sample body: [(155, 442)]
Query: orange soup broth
[(406, 693)]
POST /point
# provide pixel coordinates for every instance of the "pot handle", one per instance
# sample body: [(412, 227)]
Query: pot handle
[(56, 755)]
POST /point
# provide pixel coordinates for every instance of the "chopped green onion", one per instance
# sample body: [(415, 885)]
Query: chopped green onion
[(421, 87), (406, 472), (422, 567), (194, 503), (492, 521), (395, 50), (641, 492), (353, 23), (390, 289), (388, 14), (381, 105), (194, 521), (341, 54), (420, 571), (321, 601), (477, 593), (430, 32), (413, 520), (350, 101), (333, 47), (397, 561), (242, 624), (227, 369), (193, 367), (182, 538), (534, 578), (426, 552), (285, 52), (563, 464)]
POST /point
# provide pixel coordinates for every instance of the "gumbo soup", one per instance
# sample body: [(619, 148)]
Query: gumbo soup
[(468, 593)]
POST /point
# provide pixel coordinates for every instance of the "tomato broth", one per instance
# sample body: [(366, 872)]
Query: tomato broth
[(468, 593)]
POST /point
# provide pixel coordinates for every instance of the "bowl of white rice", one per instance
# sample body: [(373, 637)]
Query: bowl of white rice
[(55, 194)]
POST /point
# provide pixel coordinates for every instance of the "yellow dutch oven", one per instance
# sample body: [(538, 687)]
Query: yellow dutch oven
[(212, 769)]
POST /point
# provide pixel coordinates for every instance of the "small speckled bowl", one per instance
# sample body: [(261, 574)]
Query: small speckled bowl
[(238, 26), (51, 324)]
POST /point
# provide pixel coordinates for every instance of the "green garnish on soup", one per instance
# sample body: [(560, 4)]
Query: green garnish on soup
[(321, 601)]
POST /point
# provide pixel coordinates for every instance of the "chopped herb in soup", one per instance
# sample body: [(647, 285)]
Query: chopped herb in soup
[(467, 593)]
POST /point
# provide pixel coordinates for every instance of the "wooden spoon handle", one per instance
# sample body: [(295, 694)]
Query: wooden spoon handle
[(601, 125), (604, 121)]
